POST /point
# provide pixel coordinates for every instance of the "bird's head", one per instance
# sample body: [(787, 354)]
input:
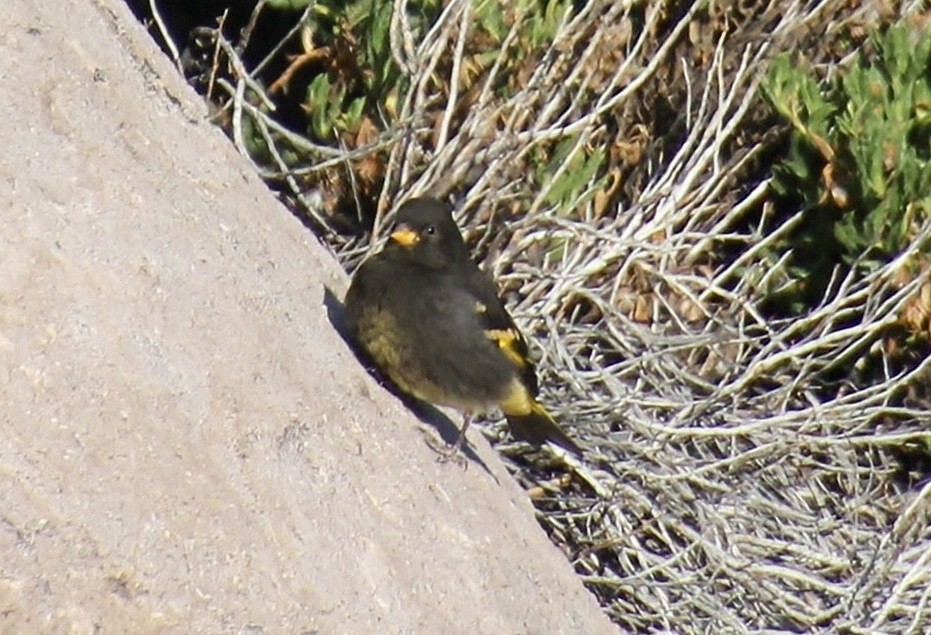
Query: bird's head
[(425, 233)]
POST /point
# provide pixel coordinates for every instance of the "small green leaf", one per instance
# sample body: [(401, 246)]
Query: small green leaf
[(290, 5)]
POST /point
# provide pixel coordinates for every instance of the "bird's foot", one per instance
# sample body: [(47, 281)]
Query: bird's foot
[(448, 452), (454, 454)]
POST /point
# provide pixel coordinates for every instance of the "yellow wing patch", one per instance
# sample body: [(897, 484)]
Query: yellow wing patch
[(508, 340)]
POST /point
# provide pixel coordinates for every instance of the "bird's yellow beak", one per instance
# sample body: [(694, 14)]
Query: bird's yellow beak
[(405, 236)]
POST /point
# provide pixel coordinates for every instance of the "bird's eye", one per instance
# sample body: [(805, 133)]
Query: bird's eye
[(430, 230)]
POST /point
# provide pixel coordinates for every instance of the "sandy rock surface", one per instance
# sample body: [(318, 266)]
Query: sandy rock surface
[(186, 444)]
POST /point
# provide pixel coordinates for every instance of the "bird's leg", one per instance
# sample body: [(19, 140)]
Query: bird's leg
[(452, 452), (466, 420)]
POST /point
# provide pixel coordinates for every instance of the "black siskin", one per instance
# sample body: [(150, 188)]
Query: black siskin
[(432, 321)]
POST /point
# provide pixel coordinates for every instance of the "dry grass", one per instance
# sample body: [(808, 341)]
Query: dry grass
[(737, 479)]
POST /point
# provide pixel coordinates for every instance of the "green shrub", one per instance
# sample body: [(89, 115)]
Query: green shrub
[(858, 162)]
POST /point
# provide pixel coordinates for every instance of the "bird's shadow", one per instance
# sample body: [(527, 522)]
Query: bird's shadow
[(425, 412)]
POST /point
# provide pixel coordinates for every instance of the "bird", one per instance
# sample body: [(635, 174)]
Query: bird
[(433, 322)]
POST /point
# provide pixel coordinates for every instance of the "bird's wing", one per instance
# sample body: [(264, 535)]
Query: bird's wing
[(499, 326)]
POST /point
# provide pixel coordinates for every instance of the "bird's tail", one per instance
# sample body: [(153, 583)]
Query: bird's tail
[(537, 427)]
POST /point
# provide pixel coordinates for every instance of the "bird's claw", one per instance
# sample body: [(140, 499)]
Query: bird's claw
[(448, 452)]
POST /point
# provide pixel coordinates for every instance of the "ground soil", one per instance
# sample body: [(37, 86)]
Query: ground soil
[(186, 443)]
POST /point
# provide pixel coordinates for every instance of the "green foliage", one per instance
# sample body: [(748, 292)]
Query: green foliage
[(351, 84), (290, 5), (489, 15), (359, 76), (858, 160), (572, 185), (542, 26)]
